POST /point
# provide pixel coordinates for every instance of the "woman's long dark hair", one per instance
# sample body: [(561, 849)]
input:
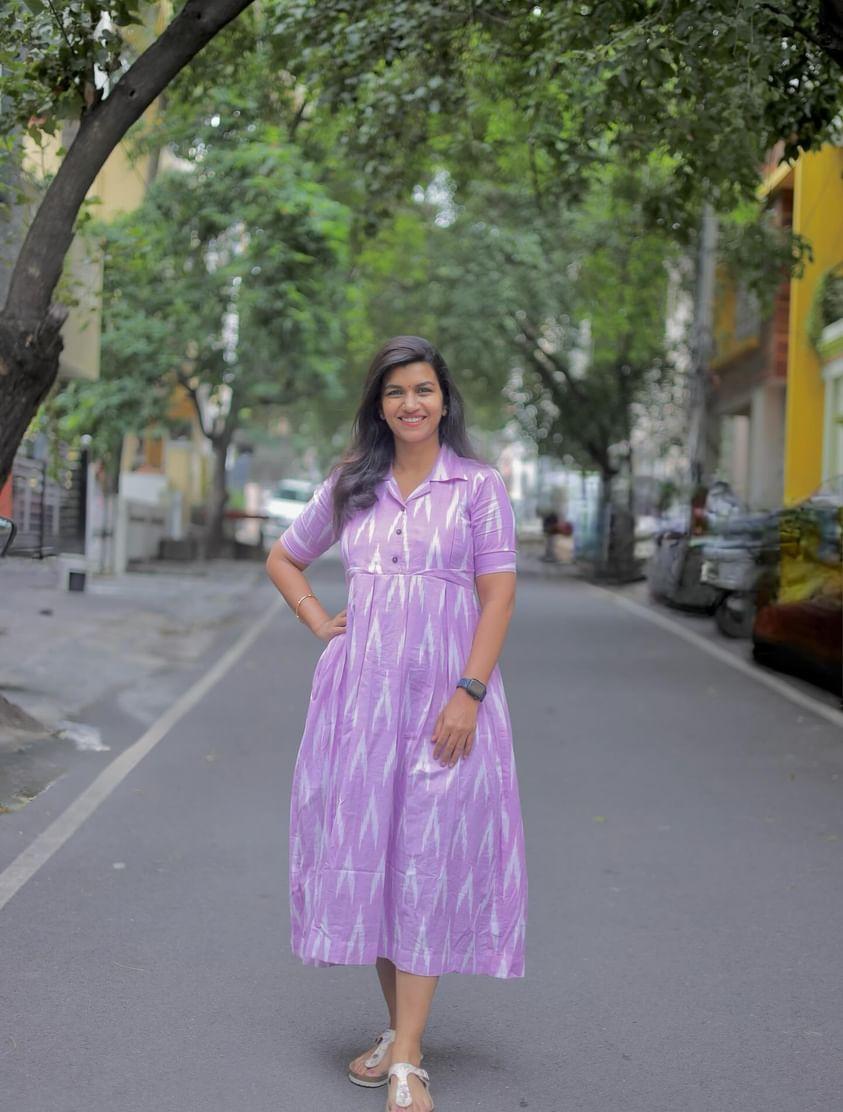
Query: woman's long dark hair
[(371, 448)]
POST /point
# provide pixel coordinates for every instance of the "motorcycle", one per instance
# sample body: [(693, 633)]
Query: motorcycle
[(732, 567), (674, 572)]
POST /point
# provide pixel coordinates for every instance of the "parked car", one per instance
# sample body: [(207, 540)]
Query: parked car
[(283, 505), (799, 621)]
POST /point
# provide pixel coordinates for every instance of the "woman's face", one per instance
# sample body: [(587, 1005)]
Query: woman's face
[(412, 401)]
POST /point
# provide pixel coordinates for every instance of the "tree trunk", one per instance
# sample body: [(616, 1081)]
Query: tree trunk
[(615, 555), (622, 565), (218, 498), (604, 520), (30, 341), (29, 361)]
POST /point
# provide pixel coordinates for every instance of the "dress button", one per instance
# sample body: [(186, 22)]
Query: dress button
[(397, 530), (395, 559)]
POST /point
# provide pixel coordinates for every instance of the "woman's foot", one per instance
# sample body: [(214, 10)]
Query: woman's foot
[(374, 1075), (418, 1090)]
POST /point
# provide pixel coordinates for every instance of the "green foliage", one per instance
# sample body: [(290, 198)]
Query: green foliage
[(827, 303), (760, 253), (57, 56), (554, 319), (228, 280), (710, 86), (575, 142), (548, 93), (591, 328)]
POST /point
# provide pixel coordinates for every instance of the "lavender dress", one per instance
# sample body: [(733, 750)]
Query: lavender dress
[(391, 853)]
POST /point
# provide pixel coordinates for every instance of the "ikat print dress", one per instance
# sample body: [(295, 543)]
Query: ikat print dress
[(391, 854)]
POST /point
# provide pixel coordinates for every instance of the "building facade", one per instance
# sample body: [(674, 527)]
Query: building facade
[(778, 417)]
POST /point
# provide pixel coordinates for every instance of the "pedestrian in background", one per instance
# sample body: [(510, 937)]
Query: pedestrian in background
[(406, 835), (550, 525)]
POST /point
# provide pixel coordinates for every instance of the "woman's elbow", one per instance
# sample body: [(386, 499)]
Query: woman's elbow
[(276, 559)]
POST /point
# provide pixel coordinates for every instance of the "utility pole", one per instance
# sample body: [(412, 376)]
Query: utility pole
[(702, 431)]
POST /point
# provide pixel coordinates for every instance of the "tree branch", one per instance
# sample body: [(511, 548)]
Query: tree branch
[(534, 177), (598, 453), (58, 22), (41, 257), (558, 364), (297, 118), (193, 394)]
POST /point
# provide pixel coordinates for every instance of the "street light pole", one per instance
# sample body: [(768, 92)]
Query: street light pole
[(702, 433)]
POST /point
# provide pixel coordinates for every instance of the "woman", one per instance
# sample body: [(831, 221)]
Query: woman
[(406, 835)]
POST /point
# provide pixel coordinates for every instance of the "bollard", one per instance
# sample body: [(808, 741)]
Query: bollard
[(73, 572)]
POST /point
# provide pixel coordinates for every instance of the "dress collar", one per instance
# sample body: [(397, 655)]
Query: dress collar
[(448, 465)]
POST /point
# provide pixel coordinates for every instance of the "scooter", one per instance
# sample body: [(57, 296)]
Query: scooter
[(731, 565)]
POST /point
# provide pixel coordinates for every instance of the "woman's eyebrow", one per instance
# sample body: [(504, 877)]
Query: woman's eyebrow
[(395, 386)]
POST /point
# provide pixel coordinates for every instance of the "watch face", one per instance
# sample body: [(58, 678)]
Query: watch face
[(475, 688)]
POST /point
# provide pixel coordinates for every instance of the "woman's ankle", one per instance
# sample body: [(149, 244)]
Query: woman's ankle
[(406, 1050)]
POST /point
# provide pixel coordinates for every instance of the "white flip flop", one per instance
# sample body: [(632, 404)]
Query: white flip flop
[(382, 1044), (403, 1096)]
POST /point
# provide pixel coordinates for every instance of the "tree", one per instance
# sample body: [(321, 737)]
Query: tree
[(707, 86), (710, 85), (560, 92), (226, 281), (68, 60), (560, 313)]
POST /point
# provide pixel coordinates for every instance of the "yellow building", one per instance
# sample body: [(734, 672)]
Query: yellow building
[(779, 406), (811, 452), (749, 371)]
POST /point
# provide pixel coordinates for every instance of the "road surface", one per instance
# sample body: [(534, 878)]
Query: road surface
[(684, 836)]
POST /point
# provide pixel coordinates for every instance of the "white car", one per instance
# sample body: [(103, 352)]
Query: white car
[(283, 505)]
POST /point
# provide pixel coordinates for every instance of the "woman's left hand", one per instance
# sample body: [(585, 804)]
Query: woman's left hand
[(454, 731)]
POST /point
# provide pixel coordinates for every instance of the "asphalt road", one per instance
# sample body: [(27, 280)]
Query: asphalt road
[(684, 836)]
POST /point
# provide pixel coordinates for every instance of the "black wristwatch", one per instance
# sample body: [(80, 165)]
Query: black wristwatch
[(475, 688)]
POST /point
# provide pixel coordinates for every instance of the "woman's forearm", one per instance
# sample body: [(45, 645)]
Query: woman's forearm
[(292, 584), (489, 637)]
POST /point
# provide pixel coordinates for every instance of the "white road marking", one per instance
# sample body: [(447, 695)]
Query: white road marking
[(724, 656), (39, 851)]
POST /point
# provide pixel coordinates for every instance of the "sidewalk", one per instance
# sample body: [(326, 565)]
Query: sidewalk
[(530, 562), (61, 651)]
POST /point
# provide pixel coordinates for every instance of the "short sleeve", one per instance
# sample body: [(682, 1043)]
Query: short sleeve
[(312, 532), (493, 525)]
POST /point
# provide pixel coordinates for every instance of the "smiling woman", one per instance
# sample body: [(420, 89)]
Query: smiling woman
[(406, 836)]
